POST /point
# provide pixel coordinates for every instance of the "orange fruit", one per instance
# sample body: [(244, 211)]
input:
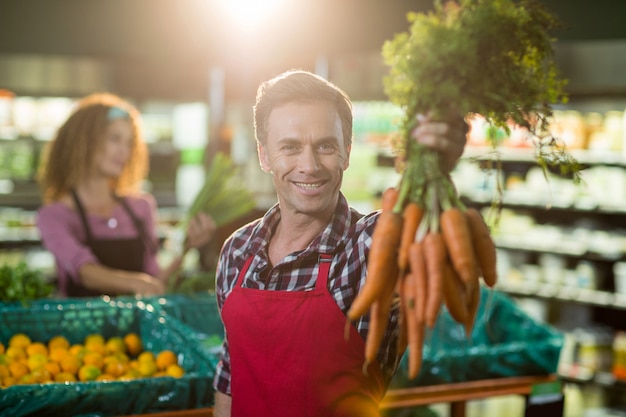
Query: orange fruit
[(94, 338), (15, 353), (36, 348), (146, 357), (17, 369), (58, 342), (165, 358), (105, 377), (4, 371), (27, 379), (41, 375), (147, 368), (175, 370), (19, 340), (115, 344), (95, 346), (93, 358), (2, 348), (88, 373), (119, 357), (8, 381), (36, 360), (64, 377), (115, 368), (130, 374), (53, 367), (57, 353), (77, 350), (71, 364), (4, 359), (133, 343)]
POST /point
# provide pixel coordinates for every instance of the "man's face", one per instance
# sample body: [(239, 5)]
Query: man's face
[(306, 155)]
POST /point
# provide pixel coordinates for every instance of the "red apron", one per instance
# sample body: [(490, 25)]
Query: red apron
[(289, 356)]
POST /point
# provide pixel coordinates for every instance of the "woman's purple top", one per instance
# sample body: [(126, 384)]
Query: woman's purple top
[(63, 234)]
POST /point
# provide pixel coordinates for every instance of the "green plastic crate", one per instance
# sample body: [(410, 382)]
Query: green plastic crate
[(200, 314), (505, 342), (77, 318)]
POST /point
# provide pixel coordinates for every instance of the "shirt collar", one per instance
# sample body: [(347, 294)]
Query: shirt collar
[(330, 241)]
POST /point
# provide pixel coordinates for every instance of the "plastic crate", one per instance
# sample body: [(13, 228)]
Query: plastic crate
[(77, 318), (199, 312), (505, 342)]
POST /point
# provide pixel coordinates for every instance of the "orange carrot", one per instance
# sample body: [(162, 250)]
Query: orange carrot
[(473, 301), (415, 329), (458, 240), (483, 246), (402, 333), (379, 315), (382, 265), (454, 294), (411, 217), (420, 279), (435, 256)]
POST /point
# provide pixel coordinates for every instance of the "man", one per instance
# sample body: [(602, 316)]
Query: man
[(285, 281)]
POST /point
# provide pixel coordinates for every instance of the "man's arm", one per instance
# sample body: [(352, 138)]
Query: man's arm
[(223, 405)]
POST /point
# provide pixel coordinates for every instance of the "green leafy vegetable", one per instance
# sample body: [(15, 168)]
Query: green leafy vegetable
[(20, 283), (487, 57), (224, 195)]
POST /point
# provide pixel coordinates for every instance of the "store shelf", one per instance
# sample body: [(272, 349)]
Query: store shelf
[(509, 201), (566, 248), (527, 155), (582, 375), (564, 293)]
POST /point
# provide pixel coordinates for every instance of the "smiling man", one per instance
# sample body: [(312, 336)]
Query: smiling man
[(285, 281)]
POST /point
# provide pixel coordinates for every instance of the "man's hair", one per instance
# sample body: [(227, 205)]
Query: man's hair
[(301, 87), (70, 155)]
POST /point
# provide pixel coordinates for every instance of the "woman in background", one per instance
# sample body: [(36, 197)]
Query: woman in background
[(95, 220)]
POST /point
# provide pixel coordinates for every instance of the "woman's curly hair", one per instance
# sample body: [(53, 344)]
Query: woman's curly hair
[(70, 155)]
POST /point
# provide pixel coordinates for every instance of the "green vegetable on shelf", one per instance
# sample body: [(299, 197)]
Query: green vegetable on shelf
[(224, 195), (22, 284)]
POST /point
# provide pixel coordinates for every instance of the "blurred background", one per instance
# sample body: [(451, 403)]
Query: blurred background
[(192, 68)]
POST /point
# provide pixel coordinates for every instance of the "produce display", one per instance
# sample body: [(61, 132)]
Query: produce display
[(25, 361), (487, 57)]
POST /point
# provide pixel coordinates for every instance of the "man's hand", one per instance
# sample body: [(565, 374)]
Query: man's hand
[(447, 138)]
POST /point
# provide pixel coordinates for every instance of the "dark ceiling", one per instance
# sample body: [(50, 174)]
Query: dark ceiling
[(177, 40)]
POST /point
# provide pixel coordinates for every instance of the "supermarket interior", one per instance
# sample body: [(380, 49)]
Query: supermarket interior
[(192, 68)]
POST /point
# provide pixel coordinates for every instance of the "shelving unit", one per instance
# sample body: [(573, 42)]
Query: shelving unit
[(575, 228)]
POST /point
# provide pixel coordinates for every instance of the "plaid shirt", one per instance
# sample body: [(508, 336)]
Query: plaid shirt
[(347, 237)]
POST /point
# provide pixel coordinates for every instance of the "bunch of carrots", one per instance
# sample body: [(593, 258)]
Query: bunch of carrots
[(430, 250), (487, 57)]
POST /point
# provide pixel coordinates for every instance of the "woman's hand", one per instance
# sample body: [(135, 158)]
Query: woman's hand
[(447, 138), (144, 284), (200, 231)]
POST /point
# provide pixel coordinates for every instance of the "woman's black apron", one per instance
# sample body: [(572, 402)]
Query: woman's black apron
[(119, 253)]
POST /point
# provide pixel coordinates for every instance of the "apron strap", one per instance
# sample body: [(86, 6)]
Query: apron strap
[(83, 216), (138, 224), (324, 262)]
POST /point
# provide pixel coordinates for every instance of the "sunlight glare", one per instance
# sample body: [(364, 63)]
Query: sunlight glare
[(250, 12)]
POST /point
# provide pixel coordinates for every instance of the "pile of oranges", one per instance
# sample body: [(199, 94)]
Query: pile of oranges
[(24, 361)]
